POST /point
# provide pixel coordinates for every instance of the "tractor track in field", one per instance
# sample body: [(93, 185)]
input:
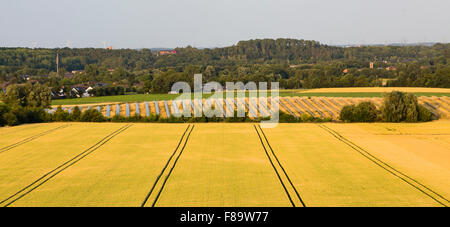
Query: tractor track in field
[(31, 138), (412, 182), (184, 138), (48, 176), (285, 185)]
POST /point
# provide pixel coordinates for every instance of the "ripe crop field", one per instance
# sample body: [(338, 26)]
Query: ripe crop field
[(225, 164)]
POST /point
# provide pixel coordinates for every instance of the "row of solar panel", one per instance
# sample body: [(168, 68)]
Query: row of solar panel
[(296, 106)]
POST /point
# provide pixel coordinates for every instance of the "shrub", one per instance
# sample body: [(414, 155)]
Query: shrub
[(92, 115), (76, 114), (364, 112), (424, 114), (287, 118), (306, 118), (4, 109), (11, 119), (36, 115), (403, 107), (61, 115), (347, 113)]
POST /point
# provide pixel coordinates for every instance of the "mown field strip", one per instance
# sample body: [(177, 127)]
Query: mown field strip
[(9, 147), (289, 188), (414, 183), (46, 177), (162, 178)]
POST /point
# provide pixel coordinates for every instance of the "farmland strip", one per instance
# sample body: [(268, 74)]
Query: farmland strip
[(48, 176), (173, 167), (284, 171), (414, 183), (277, 172), (164, 168), (157, 181), (9, 147)]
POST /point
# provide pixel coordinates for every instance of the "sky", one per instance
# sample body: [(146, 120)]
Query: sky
[(218, 23)]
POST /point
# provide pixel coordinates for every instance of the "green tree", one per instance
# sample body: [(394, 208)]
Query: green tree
[(365, 112), (92, 115), (347, 113), (61, 115), (4, 109), (76, 114), (403, 107)]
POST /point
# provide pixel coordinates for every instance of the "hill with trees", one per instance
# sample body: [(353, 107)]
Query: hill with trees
[(293, 63)]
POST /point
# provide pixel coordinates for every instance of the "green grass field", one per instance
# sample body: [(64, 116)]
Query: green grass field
[(159, 97), (106, 164)]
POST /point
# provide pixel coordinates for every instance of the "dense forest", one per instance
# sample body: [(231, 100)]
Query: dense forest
[(293, 63)]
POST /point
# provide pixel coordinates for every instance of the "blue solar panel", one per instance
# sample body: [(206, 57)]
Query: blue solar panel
[(200, 106), (108, 111), (253, 104), (138, 111), (263, 105), (249, 109), (209, 104), (175, 107), (219, 106), (184, 106), (157, 108), (147, 109), (230, 105), (167, 108)]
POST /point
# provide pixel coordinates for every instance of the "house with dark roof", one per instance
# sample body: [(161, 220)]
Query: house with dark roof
[(68, 75)]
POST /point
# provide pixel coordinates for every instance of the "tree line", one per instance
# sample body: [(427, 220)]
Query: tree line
[(293, 63), (397, 107)]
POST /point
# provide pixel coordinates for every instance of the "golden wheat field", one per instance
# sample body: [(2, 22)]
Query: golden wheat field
[(225, 165)]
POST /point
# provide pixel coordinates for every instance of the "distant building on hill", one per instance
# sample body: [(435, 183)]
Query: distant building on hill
[(77, 71), (391, 68), (166, 52), (68, 75)]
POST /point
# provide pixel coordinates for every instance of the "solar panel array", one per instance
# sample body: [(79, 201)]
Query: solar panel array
[(256, 107)]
